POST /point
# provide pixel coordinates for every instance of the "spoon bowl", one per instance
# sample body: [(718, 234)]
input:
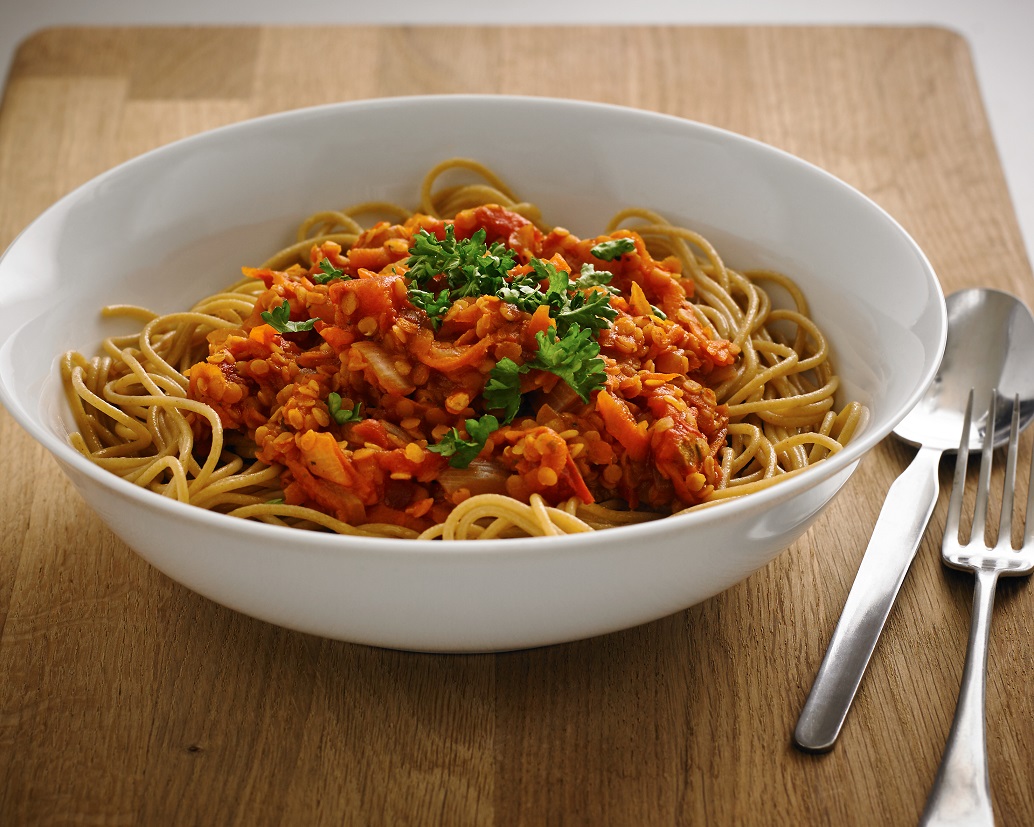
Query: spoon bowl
[(989, 349)]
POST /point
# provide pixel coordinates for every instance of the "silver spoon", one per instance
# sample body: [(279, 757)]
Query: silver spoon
[(990, 345)]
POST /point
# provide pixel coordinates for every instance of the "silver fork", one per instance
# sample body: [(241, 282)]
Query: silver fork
[(961, 793)]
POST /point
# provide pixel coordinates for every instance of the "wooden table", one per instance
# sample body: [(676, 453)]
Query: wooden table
[(126, 699)]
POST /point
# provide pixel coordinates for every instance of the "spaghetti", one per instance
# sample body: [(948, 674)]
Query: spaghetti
[(466, 371)]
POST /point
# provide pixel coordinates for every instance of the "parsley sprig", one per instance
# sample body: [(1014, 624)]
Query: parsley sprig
[(435, 306), (503, 390), (584, 307), (470, 267), (342, 415), (461, 452), (279, 318), (328, 273), (613, 248), (574, 357)]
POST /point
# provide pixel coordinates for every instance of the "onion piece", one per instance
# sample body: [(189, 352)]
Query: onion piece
[(383, 367), (482, 476), (562, 398)]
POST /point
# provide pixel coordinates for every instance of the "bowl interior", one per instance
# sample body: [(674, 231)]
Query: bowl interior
[(171, 226)]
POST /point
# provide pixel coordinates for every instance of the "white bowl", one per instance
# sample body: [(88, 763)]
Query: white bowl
[(177, 223)]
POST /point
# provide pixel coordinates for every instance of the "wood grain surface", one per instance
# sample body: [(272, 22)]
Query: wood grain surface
[(125, 699)]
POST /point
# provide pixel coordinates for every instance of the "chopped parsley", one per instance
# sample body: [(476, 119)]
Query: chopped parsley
[(503, 390), (590, 309), (470, 266), (591, 277), (442, 270), (342, 415), (279, 318), (523, 292), (574, 358), (461, 452), (434, 306), (329, 273), (613, 248)]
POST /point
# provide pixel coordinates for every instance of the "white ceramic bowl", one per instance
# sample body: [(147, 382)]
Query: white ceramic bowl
[(177, 223)]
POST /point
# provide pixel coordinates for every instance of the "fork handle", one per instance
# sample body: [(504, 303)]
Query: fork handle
[(892, 547), (961, 793)]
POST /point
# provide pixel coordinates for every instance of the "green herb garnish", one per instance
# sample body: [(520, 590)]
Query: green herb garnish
[(434, 306), (279, 318), (523, 292), (591, 277), (610, 250), (342, 415), (503, 390), (591, 309), (574, 357), (461, 452), (443, 270), (469, 267), (329, 273)]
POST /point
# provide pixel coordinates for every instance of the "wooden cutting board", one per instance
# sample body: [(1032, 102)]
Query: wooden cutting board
[(126, 699)]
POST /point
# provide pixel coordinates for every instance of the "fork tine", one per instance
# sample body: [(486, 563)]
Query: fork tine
[(953, 519), (1005, 525), (978, 531)]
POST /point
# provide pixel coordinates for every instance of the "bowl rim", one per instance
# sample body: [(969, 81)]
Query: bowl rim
[(786, 489)]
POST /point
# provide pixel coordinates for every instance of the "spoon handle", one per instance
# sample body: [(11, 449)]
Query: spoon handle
[(892, 547)]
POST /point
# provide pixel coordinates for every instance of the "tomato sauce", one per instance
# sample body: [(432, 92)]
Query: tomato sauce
[(647, 438)]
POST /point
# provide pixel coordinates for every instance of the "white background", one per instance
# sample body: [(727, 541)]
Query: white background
[(1000, 34)]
